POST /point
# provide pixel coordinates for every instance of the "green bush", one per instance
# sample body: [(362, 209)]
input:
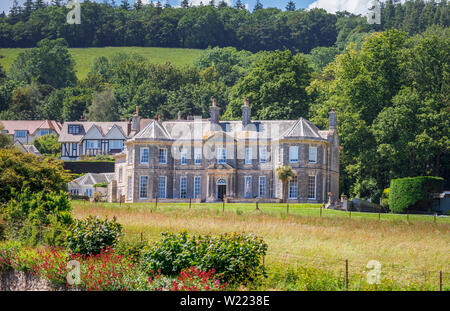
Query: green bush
[(385, 198), (131, 249), (413, 193), (237, 258), (91, 235), (38, 218)]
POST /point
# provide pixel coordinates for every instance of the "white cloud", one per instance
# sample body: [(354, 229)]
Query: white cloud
[(206, 2), (352, 6)]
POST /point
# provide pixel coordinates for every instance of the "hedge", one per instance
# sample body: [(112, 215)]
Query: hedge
[(413, 193)]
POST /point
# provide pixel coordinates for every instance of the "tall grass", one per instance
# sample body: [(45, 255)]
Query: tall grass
[(411, 253)]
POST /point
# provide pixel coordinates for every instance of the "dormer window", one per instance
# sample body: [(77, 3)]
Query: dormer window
[(74, 129), (20, 133), (44, 132)]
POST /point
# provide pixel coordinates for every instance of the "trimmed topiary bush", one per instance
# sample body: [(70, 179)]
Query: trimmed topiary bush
[(413, 193), (236, 258), (91, 235)]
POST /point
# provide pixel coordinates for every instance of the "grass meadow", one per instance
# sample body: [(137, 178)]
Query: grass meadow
[(307, 251), (84, 56)]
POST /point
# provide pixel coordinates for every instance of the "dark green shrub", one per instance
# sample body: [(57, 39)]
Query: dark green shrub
[(91, 235), (131, 249), (413, 193), (237, 258), (38, 218), (385, 198)]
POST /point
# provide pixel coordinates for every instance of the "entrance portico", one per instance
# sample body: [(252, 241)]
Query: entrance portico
[(221, 182)]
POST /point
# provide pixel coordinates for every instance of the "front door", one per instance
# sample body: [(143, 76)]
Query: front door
[(221, 192)]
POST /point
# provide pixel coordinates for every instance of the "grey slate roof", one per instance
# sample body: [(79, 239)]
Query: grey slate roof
[(92, 179), (202, 129)]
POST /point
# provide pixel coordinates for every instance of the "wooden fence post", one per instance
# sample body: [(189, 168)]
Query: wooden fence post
[(223, 206), (287, 208), (257, 208), (156, 202), (190, 203), (440, 281), (141, 237), (346, 274), (320, 211)]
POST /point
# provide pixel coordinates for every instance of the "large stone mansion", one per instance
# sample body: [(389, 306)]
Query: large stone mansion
[(209, 160)]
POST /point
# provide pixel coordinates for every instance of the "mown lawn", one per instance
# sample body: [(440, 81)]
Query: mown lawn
[(84, 56), (306, 251)]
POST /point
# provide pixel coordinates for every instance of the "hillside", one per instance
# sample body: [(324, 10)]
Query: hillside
[(84, 56)]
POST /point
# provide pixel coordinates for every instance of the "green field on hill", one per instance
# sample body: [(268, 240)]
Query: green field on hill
[(84, 56)]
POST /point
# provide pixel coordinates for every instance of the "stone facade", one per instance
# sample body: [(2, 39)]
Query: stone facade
[(210, 160)]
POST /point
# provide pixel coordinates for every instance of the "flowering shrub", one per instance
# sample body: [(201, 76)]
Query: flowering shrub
[(236, 258), (104, 271), (91, 235), (193, 279)]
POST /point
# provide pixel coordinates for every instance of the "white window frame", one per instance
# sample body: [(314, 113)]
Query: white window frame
[(293, 184), (142, 153), (262, 194), (221, 155), (162, 160), (16, 134), (248, 155), (88, 192), (165, 187), (293, 151), (183, 185), (43, 132), (248, 194), (112, 143), (313, 154), (184, 154), (142, 188), (262, 154), (120, 174), (198, 156), (73, 129), (93, 141), (197, 190), (310, 197)]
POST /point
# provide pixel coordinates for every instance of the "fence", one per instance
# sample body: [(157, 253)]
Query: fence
[(351, 274)]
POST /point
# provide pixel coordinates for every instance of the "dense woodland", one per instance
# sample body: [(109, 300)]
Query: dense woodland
[(389, 87), (216, 24)]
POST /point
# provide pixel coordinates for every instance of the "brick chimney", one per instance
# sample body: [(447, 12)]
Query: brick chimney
[(135, 121), (215, 116), (332, 120), (246, 113)]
